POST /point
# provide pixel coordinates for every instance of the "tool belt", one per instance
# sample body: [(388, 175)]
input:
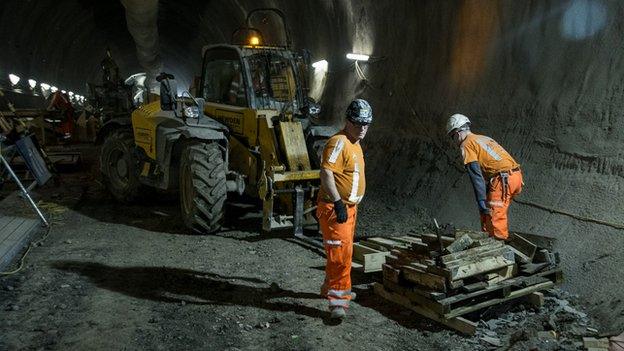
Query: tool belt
[(504, 176)]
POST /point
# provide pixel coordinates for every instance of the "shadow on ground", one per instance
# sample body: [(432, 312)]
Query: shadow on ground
[(175, 285)]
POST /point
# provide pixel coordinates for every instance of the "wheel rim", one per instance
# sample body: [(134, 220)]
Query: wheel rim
[(118, 169)]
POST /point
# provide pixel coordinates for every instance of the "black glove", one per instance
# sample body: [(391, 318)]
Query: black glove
[(341, 211), (483, 209)]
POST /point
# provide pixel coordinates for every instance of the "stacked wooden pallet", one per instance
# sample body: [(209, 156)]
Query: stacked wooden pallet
[(445, 277)]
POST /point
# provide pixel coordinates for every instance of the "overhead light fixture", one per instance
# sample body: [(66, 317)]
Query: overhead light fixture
[(63, 92), (71, 93), (358, 57), (53, 89), (320, 65), (254, 40), (32, 83), (14, 79), (44, 86)]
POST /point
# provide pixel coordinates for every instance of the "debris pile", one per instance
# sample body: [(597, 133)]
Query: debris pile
[(445, 276)]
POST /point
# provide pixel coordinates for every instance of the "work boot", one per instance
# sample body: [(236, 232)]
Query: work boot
[(338, 313)]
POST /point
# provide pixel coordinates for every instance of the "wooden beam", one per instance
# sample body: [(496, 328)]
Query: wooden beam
[(471, 252), (489, 264), (513, 295), (408, 239), (460, 324), (389, 243), (460, 244), (423, 278), (523, 245), (536, 299), (370, 258)]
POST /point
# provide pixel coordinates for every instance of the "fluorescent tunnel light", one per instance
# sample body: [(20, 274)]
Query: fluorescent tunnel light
[(14, 79), (321, 65), (357, 57), (32, 83)]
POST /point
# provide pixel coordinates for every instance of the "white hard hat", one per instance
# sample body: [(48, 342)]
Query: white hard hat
[(456, 121)]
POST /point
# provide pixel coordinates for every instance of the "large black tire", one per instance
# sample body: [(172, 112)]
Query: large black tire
[(203, 189), (119, 166)]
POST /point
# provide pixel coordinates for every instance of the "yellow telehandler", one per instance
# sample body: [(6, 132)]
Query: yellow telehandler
[(251, 129)]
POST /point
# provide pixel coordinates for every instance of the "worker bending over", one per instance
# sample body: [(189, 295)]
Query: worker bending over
[(342, 189), (495, 175)]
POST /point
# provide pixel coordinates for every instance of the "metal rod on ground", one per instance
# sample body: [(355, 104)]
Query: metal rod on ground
[(310, 241), (24, 191)]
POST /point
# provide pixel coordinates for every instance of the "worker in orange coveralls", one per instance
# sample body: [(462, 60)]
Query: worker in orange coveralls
[(61, 103), (496, 177), (342, 189)]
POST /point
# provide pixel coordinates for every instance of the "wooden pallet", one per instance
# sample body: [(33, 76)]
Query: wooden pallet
[(451, 275), (458, 323), (460, 304)]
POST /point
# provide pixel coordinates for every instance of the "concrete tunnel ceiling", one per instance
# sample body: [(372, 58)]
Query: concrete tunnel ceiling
[(546, 79)]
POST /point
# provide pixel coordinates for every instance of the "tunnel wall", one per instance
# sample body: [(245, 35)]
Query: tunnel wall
[(545, 79)]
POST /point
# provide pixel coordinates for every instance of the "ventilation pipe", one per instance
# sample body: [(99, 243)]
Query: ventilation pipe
[(142, 21)]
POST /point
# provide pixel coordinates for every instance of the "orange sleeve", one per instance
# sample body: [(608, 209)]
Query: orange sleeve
[(333, 152), (469, 151)]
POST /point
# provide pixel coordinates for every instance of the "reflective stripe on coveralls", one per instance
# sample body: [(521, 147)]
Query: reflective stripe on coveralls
[(337, 285), (499, 196)]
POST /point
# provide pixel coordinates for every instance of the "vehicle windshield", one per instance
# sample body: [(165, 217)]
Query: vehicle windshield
[(273, 81)]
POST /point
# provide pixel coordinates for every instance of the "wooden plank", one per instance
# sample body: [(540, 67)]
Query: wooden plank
[(370, 258), (471, 252), (390, 273), (471, 269), (423, 278), (407, 239), (500, 275), (541, 241), (421, 297), (523, 245), (389, 243), (472, 234), (373, 245), (460, 324), (536, 299), (590, 342), (460, 244), (430, 238), (513, 295), (424, 296)]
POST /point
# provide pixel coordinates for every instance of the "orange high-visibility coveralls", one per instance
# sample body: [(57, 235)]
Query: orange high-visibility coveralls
[(345, 159), (504, 178)]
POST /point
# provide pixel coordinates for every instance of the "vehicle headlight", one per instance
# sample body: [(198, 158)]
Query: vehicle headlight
[(191, 112)]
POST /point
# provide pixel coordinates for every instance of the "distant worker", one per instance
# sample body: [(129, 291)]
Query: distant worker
[(236, 93), (496, 177), (61, 102), (342, 189)]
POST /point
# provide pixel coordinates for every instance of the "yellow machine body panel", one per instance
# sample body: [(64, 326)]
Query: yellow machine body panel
[(144, 123), (258, 148)]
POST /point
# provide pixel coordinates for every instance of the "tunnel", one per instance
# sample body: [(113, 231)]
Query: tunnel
[(539, 77)]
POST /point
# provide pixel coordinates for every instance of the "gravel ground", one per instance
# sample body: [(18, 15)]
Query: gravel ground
[(111, 276)]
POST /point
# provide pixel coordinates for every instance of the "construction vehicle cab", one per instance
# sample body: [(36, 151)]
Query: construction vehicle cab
[(259, 92)]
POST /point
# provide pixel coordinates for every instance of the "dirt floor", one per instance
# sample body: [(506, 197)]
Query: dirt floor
[(111, 276)]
